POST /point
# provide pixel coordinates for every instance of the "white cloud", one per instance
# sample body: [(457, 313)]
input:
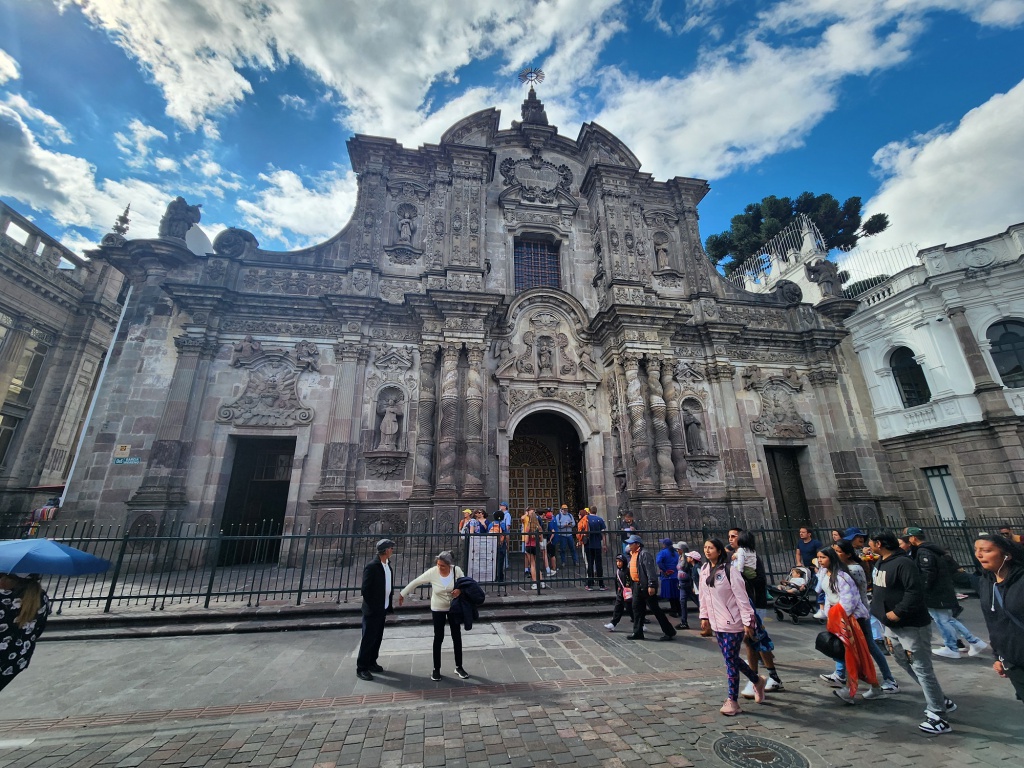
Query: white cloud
[(135, 148), (52, 130), (953, 186), (8, 67), (66, 185), (381, 58), (763, 93), (287, 205), (165, 164)]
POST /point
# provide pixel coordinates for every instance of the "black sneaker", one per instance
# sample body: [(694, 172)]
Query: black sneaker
[(934, 724), (435, 675), (462, 673)]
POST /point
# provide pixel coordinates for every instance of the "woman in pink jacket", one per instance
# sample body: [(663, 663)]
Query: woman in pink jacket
[(726, 609)]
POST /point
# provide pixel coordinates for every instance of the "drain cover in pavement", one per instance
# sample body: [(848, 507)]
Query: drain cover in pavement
[(542, 629), (756, 752)]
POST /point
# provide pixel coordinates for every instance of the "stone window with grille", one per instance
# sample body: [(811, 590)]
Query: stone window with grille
[(536, 264), (1007, 339)]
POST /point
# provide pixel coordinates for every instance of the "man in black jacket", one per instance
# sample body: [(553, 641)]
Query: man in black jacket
[(378, 584), (898, 602), (940, 595), (643, 570)]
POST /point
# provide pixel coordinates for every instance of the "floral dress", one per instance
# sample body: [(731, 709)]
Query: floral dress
[(17, 643)]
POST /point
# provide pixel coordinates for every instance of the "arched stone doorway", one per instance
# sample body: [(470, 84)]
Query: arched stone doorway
[(546, 467)]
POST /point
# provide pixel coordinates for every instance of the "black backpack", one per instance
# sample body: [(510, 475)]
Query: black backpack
[(471, 590)]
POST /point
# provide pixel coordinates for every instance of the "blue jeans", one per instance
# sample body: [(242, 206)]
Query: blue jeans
[(950, 627), (874, 650), (565, 543)]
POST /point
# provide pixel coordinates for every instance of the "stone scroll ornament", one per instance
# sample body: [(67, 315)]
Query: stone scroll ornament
[(271, 397)]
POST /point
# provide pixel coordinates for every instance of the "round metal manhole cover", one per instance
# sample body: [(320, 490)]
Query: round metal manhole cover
[(542, 629), (757, 752)]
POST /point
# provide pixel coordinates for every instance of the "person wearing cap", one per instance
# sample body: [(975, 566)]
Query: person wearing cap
[(668, 561), (684, 581), (643, 570), (377, 588), (937, 567), (467, 519), (441, 579), (566, 523), (623, 593), (24, 607)]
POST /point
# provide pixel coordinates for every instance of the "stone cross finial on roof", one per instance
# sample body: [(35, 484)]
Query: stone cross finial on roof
[(533, 109)]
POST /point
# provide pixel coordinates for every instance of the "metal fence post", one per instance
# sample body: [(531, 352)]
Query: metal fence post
[(213, 567), (302, 573), (117, 572)]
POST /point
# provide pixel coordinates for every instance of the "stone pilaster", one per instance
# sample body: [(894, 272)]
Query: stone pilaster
[(988, 391), (426, 412), (339, 435), (675, 423), (473, 420), (448, 439), (662, 441), (636, 409)]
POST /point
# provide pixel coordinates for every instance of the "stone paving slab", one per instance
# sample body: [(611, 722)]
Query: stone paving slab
[(292, 700)]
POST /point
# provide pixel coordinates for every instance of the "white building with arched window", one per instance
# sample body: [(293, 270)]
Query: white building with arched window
[(941, 346)]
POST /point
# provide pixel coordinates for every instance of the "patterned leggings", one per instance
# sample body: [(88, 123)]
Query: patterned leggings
[(730, 643)]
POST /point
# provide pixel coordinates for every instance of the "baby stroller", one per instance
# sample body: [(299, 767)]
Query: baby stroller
[(794, 600)]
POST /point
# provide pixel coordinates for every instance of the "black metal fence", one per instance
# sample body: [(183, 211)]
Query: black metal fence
[(202, 565)]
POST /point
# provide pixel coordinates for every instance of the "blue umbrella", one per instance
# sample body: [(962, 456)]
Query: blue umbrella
[(45, 556)]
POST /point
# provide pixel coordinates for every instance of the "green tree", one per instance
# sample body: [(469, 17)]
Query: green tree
[(841, 225)]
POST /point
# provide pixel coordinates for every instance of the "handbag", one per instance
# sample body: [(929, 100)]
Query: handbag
[(830, 645), (627, 593)]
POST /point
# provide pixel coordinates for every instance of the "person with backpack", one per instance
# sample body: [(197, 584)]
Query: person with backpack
[(441, 579), (593, 540), (565, 523), (898, 602), (726, 610), (937, 567), (1001, 589)]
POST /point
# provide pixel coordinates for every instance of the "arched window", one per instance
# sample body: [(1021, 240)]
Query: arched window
[(1007, 340), (910, 378)]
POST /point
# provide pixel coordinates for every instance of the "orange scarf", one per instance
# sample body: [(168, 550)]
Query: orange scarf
[(859, 664)]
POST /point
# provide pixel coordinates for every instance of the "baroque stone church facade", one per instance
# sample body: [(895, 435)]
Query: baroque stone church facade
[(508, 314)]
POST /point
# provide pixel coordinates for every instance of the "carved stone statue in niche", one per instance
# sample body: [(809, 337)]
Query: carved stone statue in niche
[(545, 355), (390, 408), (406, 222), (826, 274), (307, 355), (694, 430), (661, 250), (179, 218)]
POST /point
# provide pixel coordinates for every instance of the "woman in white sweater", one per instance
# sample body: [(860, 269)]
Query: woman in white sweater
[(441, 579)]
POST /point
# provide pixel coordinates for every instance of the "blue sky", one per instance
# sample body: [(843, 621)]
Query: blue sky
[(245, 106)]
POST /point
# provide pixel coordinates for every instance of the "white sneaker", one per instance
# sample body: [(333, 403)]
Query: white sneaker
[(610, 627), (890, 686), (874, 693), (820, 614), (748, 691), (773, 685), (533, 586), (844, 695), (835, 680), (544, 585), (977, 648), (945, 653), (549, 572)]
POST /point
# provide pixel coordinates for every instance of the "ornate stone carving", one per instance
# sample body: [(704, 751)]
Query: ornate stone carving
[(232, 243), (271, 397), (179, 218), (449, 416), (826, 274), (425, 417), (272, 328), (517, 398), (703, 469), (694, 430), (538, 180), (307, 355), (662, 441), (473, 417), (675, 422), (245, 350), (383, 465), (294, 282), (779, 415)]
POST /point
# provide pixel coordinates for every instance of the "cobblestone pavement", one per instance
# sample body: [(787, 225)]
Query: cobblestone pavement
[(583, 696)]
